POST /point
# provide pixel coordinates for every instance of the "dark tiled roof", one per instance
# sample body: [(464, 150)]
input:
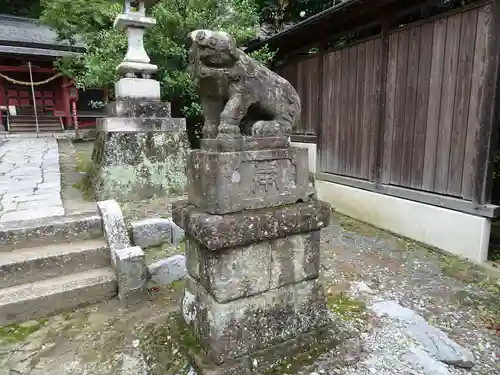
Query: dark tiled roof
[(29, 33), (16, 50)]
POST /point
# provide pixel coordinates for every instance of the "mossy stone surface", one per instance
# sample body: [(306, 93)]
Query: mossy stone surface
[(134, 166)]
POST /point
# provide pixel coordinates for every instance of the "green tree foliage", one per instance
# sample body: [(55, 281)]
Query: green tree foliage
[(167, 44)]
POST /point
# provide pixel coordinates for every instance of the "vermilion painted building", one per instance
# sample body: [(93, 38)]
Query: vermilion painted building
[(52, 101)]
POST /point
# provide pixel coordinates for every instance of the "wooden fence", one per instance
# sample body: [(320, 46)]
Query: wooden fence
[(405, 115)]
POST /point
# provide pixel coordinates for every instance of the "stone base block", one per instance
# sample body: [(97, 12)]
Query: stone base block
[(235, 329), (138, 108), (297, 352), (226, 182), (249, 270), (134, 166), (141, 124), (219, 232), (243, 143), (137, 88)]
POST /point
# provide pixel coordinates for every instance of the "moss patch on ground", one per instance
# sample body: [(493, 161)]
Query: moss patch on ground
[(165, 345), (84, 166), (13, 333), (156, 253), (346, 307), (355, 226), (487, 303)]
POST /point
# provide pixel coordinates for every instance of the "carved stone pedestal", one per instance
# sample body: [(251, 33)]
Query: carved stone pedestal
[(140, 151), (253, 234)]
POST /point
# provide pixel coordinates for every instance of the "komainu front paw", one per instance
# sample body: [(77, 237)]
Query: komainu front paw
[(229, 131), (267, 129)]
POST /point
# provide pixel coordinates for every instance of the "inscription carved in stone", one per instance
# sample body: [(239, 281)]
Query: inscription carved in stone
[(265, 177)]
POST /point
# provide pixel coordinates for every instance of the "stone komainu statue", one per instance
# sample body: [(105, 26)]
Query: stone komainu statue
[(238, 94)]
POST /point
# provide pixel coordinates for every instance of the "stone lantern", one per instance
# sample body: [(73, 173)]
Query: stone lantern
[(136, 68), (140, 150)]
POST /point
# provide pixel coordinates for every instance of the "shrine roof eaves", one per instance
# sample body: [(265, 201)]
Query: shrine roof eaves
[(334, 21), (34, 38)]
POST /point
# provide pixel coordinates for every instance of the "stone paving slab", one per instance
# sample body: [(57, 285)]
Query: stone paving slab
[(30, 180)]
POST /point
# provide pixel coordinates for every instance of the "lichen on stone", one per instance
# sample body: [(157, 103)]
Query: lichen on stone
[(140, 165)]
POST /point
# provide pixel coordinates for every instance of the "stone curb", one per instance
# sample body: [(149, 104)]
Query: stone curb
[(129, 262)]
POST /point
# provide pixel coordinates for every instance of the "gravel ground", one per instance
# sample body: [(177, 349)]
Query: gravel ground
[(360, 265), (449, 293)]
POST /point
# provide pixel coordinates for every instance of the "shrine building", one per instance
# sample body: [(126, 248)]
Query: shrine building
[(34, 96)]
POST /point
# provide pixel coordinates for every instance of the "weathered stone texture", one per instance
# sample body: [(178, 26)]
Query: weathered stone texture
[(239, 94), (178, 234), (128, 166), (221, 183), (430, 338), (115, 230), (230, 274), (294, 259), (168, 270), (137, 88), (251, 219), (231, 330), (30, 186), (248, 270), (243, 144), (131, 271), (138, 108), (140, 124), (128, 262), (244, 228), (262, 362), (151, 232)]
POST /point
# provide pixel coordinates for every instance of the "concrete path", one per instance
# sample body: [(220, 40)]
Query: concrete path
[(30, 180)]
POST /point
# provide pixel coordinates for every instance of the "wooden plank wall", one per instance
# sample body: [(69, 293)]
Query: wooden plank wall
[(435, 74), (305, 76), (349, 109)]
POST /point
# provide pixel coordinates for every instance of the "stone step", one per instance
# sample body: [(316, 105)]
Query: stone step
[(29, 265), (50, 230), (43, 298), (30, 129)]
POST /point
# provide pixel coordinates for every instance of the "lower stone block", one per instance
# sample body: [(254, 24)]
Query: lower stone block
[(130, 166), (248, 270), (294, 259), (230, 274), (297, 352), (234, 329)]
